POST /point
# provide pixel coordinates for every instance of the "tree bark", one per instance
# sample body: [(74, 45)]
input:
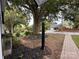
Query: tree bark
[(36, 26)]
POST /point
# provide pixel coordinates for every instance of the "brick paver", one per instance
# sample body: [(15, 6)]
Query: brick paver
[(70, 50)]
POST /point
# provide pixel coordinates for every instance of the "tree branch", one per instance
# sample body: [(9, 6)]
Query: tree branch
[(26, 7)]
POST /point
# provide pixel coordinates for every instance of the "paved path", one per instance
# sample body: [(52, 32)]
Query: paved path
[(71, 33), (70, 50)]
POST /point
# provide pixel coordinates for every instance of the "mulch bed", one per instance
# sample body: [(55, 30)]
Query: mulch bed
[(31, 49)]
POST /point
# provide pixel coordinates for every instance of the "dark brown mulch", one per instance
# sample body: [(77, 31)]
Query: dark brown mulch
[(29, 53), (31, 49)]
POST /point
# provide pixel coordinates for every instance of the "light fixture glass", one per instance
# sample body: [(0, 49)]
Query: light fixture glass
[(40, 2)]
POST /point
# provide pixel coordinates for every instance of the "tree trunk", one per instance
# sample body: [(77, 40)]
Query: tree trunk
[(36, 26)]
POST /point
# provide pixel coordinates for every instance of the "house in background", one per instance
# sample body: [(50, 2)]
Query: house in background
[(57, 21)]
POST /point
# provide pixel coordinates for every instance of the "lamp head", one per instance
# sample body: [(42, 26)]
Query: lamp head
[(40, 2)]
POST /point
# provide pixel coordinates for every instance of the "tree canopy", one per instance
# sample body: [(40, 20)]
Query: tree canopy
[(51, 6)]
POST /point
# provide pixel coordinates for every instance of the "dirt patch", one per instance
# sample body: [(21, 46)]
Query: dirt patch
[(31, 49), (55, 43)]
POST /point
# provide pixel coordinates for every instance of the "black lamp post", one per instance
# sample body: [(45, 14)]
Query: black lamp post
[(39, 3), (43, 33)]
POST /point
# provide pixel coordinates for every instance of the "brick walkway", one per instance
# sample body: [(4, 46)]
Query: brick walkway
[(70, 50)]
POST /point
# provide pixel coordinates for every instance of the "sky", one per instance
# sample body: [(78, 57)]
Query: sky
[(31, 20)]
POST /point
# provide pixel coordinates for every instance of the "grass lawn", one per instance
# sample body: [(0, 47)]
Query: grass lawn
[(76, 39)]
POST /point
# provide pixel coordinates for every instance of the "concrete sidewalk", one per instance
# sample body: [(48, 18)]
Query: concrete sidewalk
[(70, 50), (71, 33)]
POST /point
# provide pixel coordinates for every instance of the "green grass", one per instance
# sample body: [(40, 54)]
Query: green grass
[(76, 39)]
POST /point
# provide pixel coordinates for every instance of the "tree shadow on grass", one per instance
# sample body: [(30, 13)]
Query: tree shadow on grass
[(23, 52)]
